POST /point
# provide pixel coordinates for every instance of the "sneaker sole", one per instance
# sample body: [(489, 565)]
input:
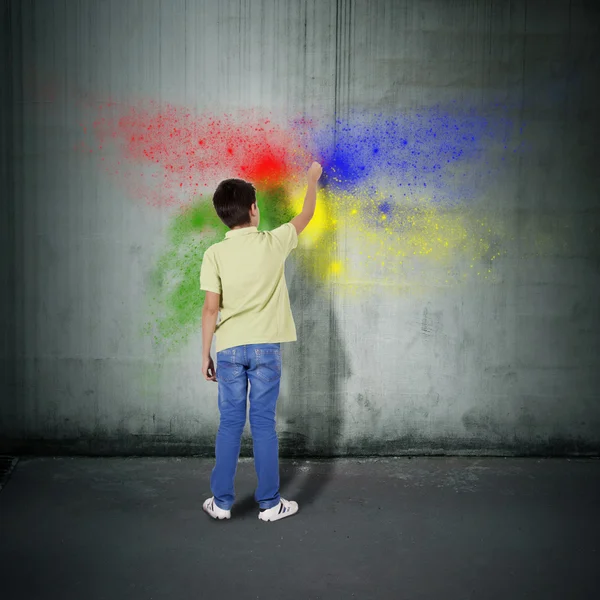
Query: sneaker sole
[(214, 516), (278, 517)]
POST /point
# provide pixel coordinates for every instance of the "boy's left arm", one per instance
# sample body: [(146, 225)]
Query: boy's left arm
[(210, 314)]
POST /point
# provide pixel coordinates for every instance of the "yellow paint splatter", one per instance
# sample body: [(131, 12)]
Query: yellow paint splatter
[(321, 222), (417, 242), (335, 267)]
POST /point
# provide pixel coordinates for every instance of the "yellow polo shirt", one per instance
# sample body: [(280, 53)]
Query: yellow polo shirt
[(247, 270)]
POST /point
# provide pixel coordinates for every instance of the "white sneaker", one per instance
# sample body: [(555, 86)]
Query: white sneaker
[(214, 511), (285, 508)]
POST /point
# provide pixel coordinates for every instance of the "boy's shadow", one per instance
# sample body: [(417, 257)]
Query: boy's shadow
[(309, 415)]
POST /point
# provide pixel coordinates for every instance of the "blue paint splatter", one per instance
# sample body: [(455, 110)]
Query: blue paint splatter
[(376, 212), (385, 208), (437, 150)]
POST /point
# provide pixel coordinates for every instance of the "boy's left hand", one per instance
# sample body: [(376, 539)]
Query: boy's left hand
[(208, 369)]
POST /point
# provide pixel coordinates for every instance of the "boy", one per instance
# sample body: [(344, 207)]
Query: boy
[(243, 277)]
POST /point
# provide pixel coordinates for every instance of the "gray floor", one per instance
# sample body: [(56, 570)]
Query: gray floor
[(442, 528)]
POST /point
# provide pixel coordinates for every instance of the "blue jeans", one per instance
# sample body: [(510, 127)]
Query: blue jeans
[(259, 365)]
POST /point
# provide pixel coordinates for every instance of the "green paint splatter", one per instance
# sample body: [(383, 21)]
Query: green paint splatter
[(175, 283), (275, 208)]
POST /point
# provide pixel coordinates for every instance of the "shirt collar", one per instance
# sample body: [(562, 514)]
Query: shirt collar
[(241, 231)]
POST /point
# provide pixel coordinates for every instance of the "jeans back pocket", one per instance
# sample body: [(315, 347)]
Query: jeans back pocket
[(268, 363), (227, 367)]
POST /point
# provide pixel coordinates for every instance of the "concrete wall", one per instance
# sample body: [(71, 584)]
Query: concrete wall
[(505, 367)]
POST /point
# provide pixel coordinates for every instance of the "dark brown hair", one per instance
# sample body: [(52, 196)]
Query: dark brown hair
[(232, 200)]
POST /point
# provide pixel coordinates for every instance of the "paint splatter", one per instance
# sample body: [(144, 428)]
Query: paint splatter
[(427, 244), (364, 241), (167, 155), (174, 282), (399, 204), (444, 152)]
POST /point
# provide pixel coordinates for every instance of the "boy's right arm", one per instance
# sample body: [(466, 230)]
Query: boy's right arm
[(310, 200)]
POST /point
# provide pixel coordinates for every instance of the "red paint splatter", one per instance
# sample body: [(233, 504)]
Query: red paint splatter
[(186, 152)]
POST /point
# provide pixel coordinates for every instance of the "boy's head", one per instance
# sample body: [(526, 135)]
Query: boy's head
[(235, 203)]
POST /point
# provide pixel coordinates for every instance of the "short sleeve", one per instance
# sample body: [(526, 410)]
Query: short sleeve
[(209, 274), (287, 237)]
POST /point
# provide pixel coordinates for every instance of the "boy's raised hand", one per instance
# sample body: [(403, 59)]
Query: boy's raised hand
[(314, 172), (310, 200)]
